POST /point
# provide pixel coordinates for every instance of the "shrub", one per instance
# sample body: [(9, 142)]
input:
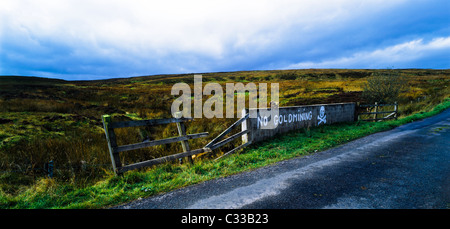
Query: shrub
[(383, 87), (287, 76)]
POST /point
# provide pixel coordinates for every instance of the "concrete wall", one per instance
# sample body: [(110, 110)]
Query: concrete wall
[(294, 118)]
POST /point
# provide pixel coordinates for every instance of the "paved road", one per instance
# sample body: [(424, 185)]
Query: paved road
[(404, 168)]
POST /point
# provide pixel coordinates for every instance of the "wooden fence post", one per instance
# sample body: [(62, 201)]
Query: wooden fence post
[(244, 126), (357, 107), (48, 167), (111, 138), (182, 132), (376, 110), (395, 110)]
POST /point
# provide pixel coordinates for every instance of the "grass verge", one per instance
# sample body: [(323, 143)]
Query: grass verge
[(49, 193)]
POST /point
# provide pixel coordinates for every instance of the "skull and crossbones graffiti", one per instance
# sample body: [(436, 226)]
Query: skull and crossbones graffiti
[(322, 118)]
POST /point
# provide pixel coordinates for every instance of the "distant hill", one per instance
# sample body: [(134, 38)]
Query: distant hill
[(28, 80), (289, 74)]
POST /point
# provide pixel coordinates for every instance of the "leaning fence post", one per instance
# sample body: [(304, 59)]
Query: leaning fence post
[(182, 132), (112, 144)]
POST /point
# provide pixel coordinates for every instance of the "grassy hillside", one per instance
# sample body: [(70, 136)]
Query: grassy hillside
[(47, 119), (51, 193)]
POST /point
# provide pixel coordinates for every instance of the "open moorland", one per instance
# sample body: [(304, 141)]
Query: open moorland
[(44, 120)]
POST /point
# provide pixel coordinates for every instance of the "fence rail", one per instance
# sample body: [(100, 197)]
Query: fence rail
[(159, 142), (150, 122), (114, 149), (379, 105), (216, 143), (391, 114)]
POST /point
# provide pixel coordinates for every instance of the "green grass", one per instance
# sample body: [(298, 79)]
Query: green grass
[(112, 190)]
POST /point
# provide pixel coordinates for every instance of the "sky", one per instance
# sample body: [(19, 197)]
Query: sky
[(100, 39)]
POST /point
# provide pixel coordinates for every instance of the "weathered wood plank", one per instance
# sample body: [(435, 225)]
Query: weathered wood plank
[(378, 105), (160, 160), (379, 112), (184, 143), (234, 150), (112, 144), (376, 111), (390, 116), (149, 122), (377, 119), (225, 132), (158, 142), (396, 110), (229, 139)]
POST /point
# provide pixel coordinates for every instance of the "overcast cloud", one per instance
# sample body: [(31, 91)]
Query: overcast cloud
[(99, 39)]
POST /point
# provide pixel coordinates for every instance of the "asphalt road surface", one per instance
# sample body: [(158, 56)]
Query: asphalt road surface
[(404, 168)]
